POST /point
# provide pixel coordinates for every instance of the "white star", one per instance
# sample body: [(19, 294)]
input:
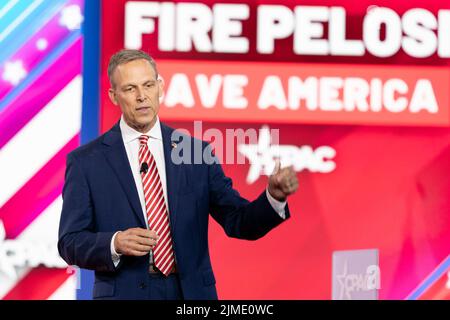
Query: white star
[(42, 44), (5, 267), (71, 17), (14, 72), (260, 155), (341, 279)]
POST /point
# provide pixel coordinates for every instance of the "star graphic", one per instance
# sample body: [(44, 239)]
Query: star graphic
[(71, 17), (260, 155), (14, 72), (341, 279), (42, 44), (5, 267)]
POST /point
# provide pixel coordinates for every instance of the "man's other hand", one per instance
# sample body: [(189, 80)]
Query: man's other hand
[(282, 182)]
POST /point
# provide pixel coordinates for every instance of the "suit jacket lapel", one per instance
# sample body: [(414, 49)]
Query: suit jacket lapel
[(116, 156), (172, 173)]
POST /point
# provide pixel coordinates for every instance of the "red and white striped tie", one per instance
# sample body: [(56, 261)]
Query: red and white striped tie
[(157, 214)]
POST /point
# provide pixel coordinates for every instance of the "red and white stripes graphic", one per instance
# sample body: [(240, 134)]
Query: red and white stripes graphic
[(30, 201)]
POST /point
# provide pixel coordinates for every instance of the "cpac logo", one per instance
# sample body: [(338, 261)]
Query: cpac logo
[(19, 254), (263, 154), (358, 282)]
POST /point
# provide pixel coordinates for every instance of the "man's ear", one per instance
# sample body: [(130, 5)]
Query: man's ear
[(112, 96), (161, 86)]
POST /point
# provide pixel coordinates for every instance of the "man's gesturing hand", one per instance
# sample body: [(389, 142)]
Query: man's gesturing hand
[(282, 182), (135, 241)]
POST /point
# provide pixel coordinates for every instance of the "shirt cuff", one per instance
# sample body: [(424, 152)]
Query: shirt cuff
[(278, 206), (114, 255)]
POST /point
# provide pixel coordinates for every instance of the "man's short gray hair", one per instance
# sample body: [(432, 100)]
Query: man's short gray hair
[(125, 56)]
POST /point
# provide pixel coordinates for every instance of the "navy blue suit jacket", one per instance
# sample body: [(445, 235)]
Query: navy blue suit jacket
[(100, 198)]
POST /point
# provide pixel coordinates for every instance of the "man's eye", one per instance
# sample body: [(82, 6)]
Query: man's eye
[(150, 85), (128, 89)]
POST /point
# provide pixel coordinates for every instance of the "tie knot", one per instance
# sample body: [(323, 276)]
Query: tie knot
[(143, 139)]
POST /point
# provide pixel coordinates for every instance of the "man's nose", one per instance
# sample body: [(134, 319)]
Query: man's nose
[(140, 97)]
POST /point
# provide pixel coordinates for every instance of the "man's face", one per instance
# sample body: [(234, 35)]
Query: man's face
[(137, 90)]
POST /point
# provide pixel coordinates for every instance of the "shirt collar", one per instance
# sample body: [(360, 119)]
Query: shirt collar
[(129, 134)]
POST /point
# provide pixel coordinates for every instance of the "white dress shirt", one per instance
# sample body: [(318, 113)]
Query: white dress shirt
[(130, 139)]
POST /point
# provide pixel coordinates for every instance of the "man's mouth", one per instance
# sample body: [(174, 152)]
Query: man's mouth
[(144, 110)]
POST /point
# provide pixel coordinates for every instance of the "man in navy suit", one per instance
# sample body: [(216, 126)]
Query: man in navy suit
[(112, 186)]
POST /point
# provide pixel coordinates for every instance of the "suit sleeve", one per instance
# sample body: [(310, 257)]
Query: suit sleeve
[(237, 216), (78, 243)]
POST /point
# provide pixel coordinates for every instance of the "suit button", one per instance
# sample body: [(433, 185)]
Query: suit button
[(142, 285)]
